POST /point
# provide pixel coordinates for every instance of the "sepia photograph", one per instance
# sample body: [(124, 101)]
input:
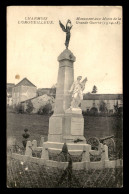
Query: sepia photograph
[(64, 96)]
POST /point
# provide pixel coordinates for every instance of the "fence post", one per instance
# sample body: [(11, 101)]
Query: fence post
[(34, 144), (28, 151), (41, 141), (106, 152), (104, 155), (45, 154), (86, 155)]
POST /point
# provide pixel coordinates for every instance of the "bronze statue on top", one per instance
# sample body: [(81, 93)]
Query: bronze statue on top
[(67, 30)]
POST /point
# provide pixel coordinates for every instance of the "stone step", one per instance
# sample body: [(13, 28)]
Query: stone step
[(71, 146), (72, 152)]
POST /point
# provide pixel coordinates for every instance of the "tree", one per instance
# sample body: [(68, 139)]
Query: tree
[(116, 107), (53, 90), (103, 107), (45, 109), (29, 107), (93, 110), (118, 110), (94, 90), (19, 108)]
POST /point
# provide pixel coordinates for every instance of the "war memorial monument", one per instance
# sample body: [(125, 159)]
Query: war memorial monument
[(66, 125)]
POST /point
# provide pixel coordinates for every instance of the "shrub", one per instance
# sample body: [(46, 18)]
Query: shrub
[(19, 108), (52, 112), (103, 107), (29, 107), (11, 109), (93, 111), (120, 111), (84, 113), (45, 109)]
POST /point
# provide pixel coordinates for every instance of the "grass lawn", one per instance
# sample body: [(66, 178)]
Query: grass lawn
[(38, 126)]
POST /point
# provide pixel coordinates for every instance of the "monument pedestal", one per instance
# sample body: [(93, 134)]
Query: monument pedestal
[(66, 128)]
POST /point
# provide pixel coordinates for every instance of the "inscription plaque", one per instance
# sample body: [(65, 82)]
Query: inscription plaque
[(55, 125), (77, 126)]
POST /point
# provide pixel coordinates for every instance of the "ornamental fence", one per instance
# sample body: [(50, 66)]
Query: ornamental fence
[(26, 174)]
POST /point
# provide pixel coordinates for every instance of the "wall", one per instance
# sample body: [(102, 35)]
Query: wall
[(27, 92), (85, 104), (88, 104), (21, 93), (9, 101)]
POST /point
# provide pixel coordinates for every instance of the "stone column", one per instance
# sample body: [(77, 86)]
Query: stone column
[(41, 141), (63, 97), (64, 81), (65, 125)]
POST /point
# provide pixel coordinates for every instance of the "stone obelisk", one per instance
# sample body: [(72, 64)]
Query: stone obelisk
[(63, 97), (65, 125)]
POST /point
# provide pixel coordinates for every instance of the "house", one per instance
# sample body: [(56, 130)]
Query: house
[(91, 100), (9, 99), (38, 102), (22, 91), (9, 87), (42, 91), (49, 91), (9, 93)]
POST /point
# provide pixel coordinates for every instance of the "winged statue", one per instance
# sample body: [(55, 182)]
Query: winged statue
[(77, 91), (67, 30)]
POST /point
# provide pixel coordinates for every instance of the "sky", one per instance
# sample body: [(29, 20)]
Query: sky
[(32, 49)]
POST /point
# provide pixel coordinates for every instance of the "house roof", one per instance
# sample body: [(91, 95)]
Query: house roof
[(102, 96), (25, 82), (43, 89), (10, 85), (33, 98), (29, 99)]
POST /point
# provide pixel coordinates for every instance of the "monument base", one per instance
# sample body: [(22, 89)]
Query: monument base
[(66, 139), (73, 149), (74, 111), (66, 128)]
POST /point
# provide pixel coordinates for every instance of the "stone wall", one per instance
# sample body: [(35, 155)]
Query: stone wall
[(88, 104), (21, 93)]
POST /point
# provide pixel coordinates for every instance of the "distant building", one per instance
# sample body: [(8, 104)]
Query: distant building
[(38, 102), (49, 91), (9, 87), (94, 100), (9, 93), (22, 91), (42, 91)]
